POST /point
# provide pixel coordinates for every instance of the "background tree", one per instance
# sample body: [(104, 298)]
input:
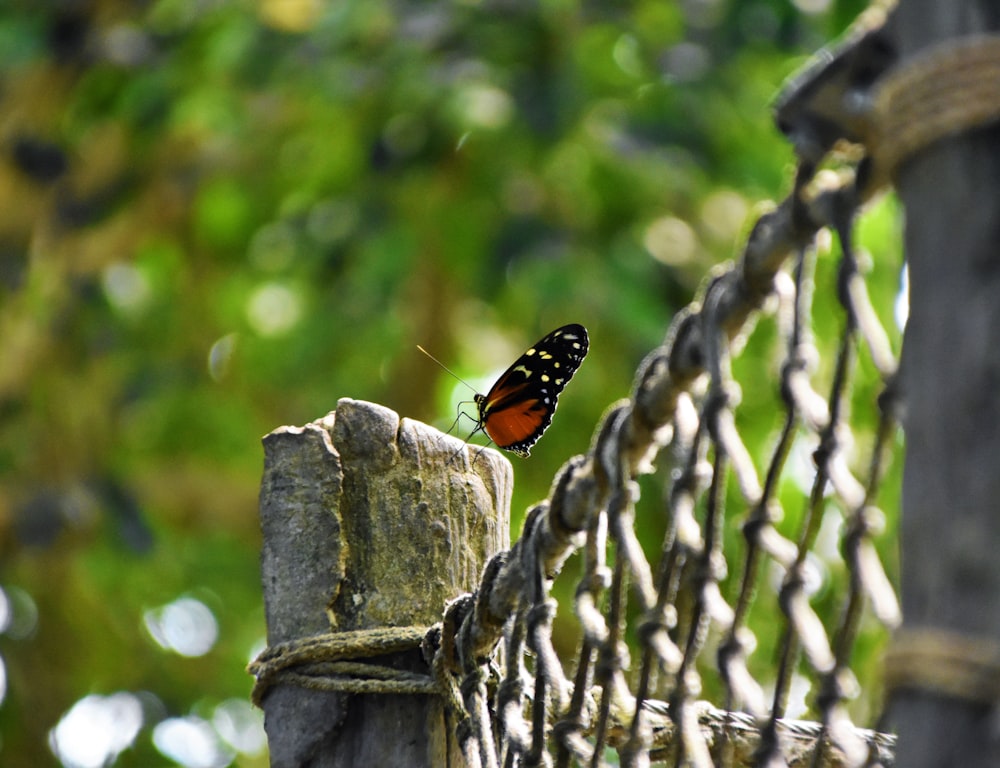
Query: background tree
[(217, 218)]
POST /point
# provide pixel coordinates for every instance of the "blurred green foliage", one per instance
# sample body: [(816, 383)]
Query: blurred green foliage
[(219, 217)]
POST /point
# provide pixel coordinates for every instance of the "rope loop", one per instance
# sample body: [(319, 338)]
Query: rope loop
[(948, 89), (325, 663), (948, 663)]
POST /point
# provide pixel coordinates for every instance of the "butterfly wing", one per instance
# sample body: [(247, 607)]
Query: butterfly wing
[(519, 406)]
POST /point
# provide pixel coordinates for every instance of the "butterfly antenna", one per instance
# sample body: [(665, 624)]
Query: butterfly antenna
[(446, 368), (479, 427)]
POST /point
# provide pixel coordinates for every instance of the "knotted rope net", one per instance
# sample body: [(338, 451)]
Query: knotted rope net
[(644, 701), (641, 702), (635, 703)]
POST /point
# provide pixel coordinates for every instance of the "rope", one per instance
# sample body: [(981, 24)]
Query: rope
[(323, 662), (948, 89), (799, 738), (945, 662)]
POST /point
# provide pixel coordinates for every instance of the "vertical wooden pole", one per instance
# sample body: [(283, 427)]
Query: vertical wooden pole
[(951, 383), (368, 524)]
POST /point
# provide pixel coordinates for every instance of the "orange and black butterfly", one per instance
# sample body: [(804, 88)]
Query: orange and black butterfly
[(519, 406)]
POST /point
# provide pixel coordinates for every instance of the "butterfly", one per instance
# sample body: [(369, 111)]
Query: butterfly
[(519, 406)]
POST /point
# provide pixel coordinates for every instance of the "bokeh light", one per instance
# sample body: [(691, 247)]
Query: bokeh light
[(241, 726), (186, 626), (274, 309), (191, 742), (96, 730)]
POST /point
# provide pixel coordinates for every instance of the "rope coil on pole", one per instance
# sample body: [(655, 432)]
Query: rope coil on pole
[(945, 662), (948, 89), (323, 662)]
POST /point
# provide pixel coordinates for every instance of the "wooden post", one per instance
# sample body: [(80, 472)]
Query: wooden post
[(950, 372), (367, 524)]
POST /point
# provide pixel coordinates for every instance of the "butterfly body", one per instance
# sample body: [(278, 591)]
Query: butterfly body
[(519, 406)]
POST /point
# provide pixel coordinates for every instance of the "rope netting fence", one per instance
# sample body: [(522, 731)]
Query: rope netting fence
[(684, 400), (493, 657)]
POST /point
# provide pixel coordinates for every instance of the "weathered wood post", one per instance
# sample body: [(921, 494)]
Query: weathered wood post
[(945, 707), (367, 523)]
